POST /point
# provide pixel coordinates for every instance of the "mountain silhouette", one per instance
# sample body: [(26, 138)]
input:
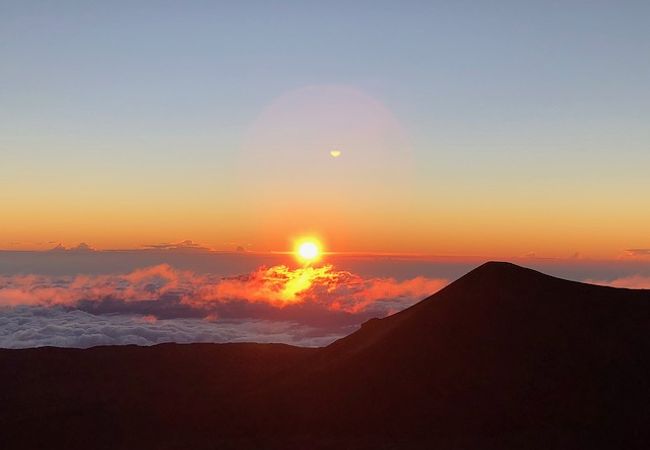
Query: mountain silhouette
[(504, 357)]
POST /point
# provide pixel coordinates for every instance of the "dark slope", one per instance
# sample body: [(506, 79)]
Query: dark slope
[(501, 349), (130, 396), (504, 356)]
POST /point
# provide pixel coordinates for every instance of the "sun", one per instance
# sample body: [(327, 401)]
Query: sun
[(308, 250)]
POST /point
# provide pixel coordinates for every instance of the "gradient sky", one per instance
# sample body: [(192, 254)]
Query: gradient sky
[(466, 128)]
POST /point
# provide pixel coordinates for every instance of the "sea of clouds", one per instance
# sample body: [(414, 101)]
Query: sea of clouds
[(309, 306), (84, 299), (28, 326)]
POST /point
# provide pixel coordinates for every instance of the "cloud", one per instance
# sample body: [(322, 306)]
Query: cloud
[(338, 290), (186, 245), (631, 282), (141, 284), (637, 252), (331, 301), (81, 248), (277, 286), (26, 326)]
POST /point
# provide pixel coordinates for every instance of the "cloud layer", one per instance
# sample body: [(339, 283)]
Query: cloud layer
[(26, 326), (306, 305)]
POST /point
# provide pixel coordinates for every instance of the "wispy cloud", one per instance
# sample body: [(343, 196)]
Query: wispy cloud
[(638, 252), (82, 247), (183, 245), (631, 282)]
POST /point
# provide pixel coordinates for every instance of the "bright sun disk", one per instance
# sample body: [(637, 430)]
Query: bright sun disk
[(308, 251)]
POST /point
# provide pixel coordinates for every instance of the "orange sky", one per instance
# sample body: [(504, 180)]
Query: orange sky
[(493, 231), (280, 181)]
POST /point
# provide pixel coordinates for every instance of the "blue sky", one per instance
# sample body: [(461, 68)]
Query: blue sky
[(164, 63)]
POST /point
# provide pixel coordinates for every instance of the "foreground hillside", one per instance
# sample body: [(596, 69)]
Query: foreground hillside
[(503, 357)]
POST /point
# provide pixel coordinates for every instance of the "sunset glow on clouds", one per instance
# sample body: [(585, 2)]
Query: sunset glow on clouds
[(86, 300), (320, 302), (278, 286)]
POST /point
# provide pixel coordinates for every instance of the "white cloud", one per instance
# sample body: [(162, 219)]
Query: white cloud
[(27, 326)]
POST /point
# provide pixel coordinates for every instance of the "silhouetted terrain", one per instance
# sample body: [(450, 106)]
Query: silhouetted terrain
[(505, 357)]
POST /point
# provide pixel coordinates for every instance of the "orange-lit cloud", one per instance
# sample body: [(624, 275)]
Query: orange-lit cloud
[(41, 290), (277, 287), (336, 290)]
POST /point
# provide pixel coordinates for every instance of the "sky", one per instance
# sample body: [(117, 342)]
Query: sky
[(158, 160), (465, 128)]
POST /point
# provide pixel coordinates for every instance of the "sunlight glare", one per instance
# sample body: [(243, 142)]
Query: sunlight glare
[(308, 250)]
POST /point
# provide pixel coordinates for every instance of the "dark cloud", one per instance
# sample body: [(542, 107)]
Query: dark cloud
[(81, 248), (186, 245), (167, 306)]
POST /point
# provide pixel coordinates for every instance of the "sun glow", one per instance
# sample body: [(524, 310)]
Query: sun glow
[(308, 250)]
